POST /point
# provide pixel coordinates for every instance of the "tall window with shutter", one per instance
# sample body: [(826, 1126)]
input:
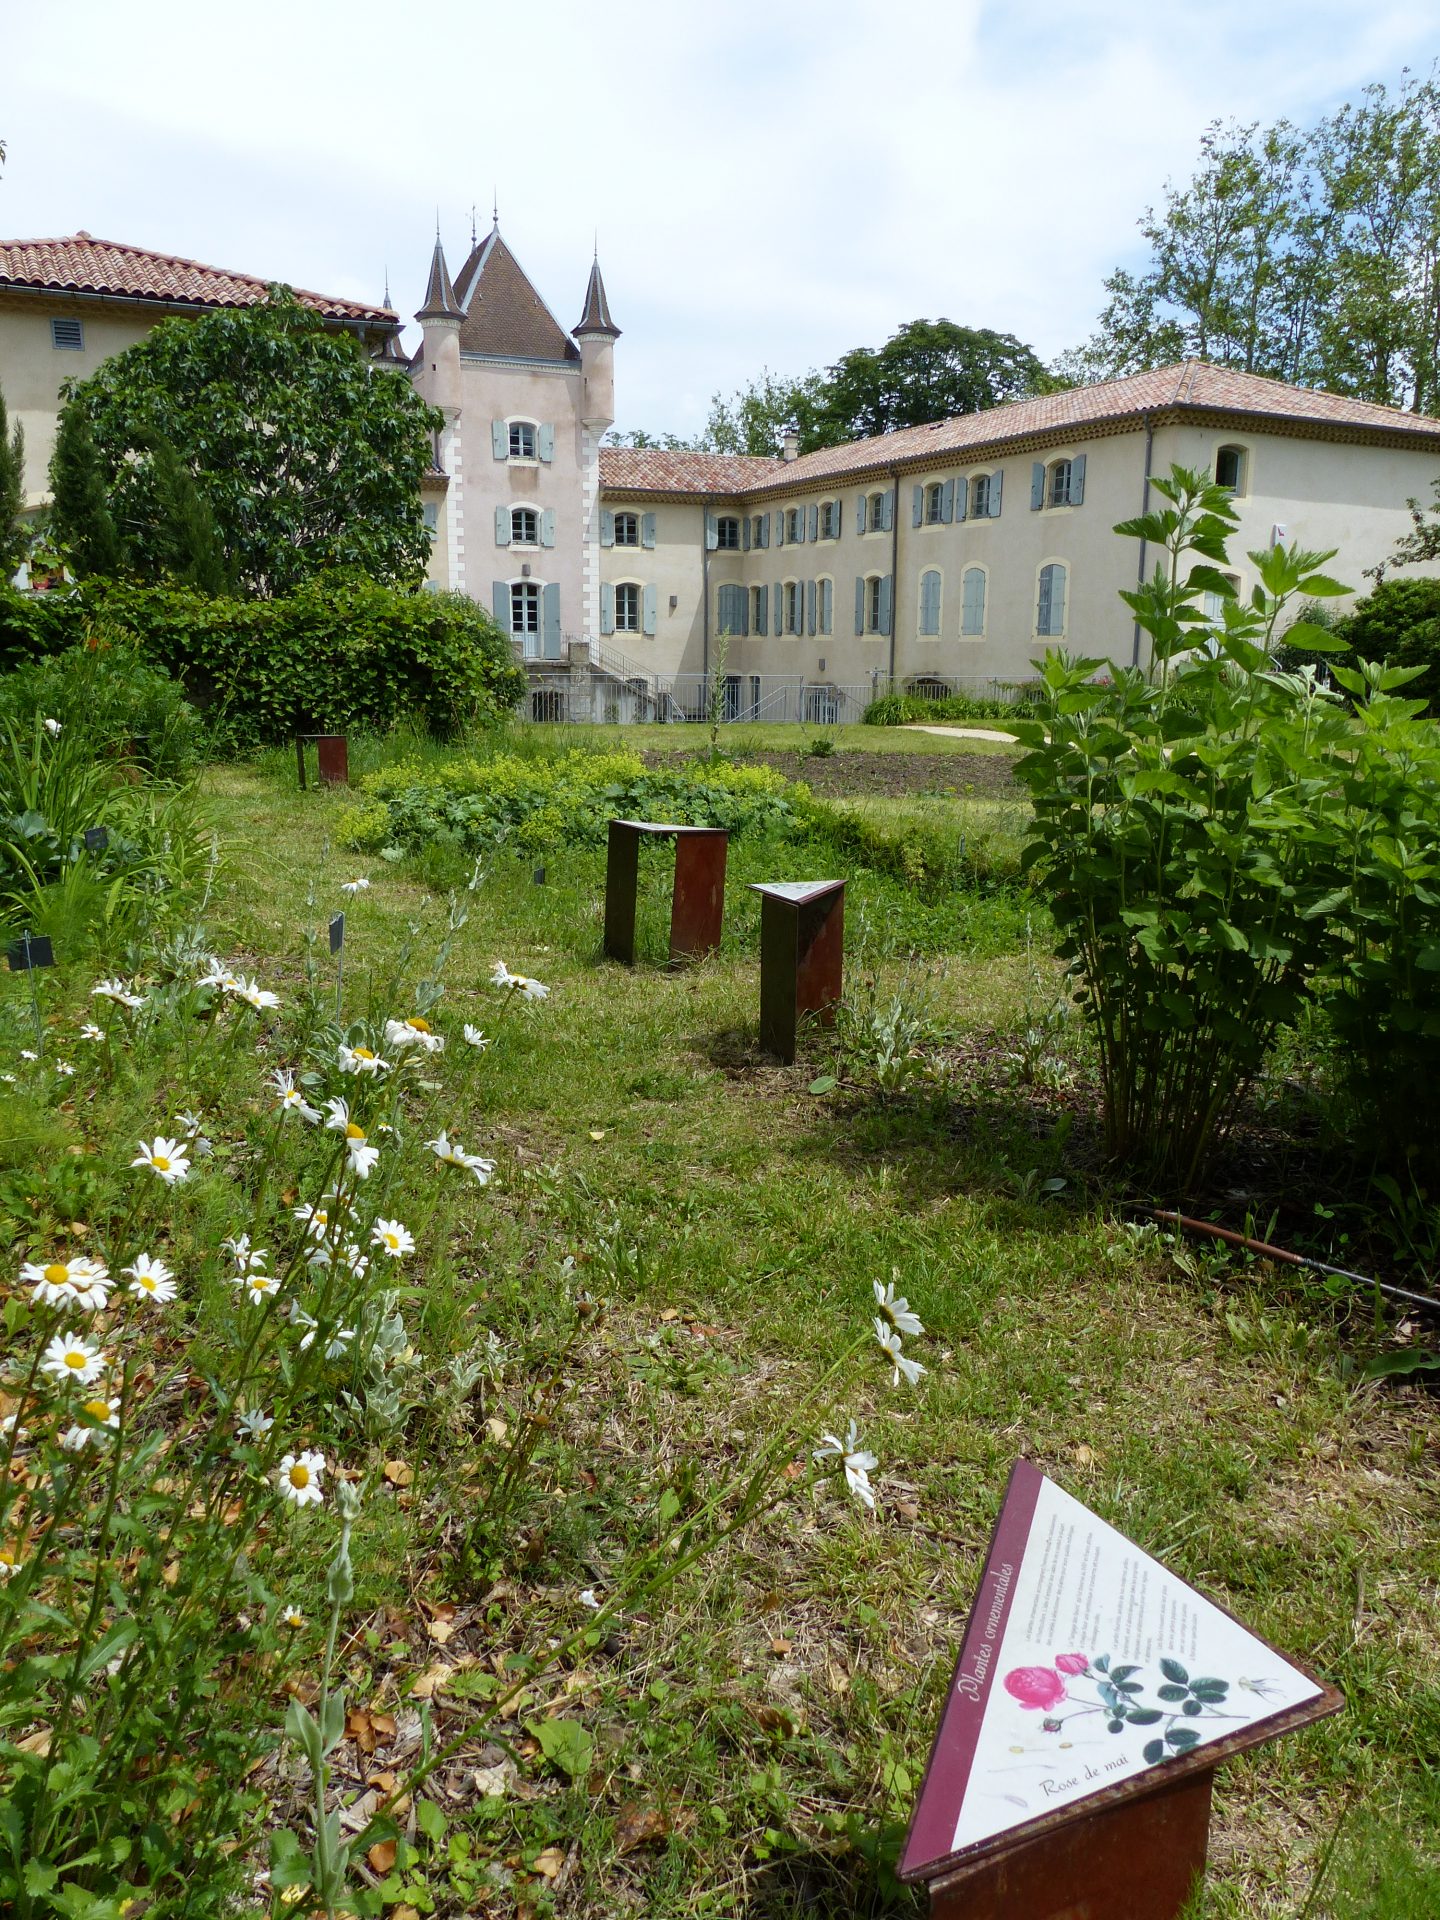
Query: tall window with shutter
[(522, 440), (727, 533), (1050, 602), (524, 527), (627, 529), (525, 608), (972, 604), (930, 604), (825, 611), (627, 606)]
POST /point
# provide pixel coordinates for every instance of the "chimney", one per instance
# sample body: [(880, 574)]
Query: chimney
[(790, 445)]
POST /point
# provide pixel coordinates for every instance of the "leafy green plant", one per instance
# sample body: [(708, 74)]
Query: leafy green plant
[(1168, 834)]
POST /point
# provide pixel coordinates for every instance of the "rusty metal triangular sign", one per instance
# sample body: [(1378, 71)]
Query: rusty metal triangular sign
[(1089, 1675)]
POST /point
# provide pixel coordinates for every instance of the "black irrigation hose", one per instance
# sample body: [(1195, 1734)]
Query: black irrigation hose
[(1428, 1301)]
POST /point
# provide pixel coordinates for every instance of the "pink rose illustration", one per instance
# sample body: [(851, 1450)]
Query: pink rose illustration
[(1071, 1662), (1038, 1687)]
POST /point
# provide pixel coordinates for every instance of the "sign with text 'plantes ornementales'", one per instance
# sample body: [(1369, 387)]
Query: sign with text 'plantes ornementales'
[(1090, 1675)]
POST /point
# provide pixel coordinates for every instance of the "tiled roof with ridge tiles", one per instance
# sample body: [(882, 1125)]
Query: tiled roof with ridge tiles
[(79, 263), (505, 318), (1191, 386), (649, 470)]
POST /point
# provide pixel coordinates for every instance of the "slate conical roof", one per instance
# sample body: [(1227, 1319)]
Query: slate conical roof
[(505, 318), (596, 317), (440, 303)]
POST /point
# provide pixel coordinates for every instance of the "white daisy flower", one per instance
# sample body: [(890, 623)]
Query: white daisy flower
[(520, 983), (359, 885), (53, 727), (315, 1220), (91, 1032), (69, 1357), (255, 1423), (475, 1038), (117, 991), (298, 1478), (242, 1253), (215, 974), (10, 1423), (352, 1258), (292, 1100), (64, 1069), (895, 1309), (254, 995), (80, 1282), (890, 1347), (100, 1416), (454, 1155), (588, 1599), (26, 1054), (396, 1239), (259, 1287), (337, 1346), (9, 1564), (297, 1316), (151, 1280), (362, 1060), (9, 1079), (292, 1617), (413, 1032), (165, 1157), (362, 1155), (858, 1464)]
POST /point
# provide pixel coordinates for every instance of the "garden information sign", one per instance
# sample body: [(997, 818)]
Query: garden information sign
[(1090, 1677)]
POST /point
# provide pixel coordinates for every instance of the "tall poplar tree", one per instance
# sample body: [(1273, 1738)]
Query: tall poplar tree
[(14, 542)]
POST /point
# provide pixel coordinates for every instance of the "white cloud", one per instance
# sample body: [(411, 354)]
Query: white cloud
[(770, 188)]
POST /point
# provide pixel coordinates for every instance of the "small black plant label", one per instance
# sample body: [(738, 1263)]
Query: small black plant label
[(337, 933), (1086, 1666), (29, 951), (97, 839)]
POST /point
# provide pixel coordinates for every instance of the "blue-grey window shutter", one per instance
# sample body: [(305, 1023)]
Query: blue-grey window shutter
[(962, 498), (815, 521), (500, 439), (502, 526), (779, 608), (607, 607), (762, 611), (647, 617), (500, 603), (810, 606), (859, 605), (547, 527), (764, 529), (995, 480), (745, 534), (545, 444), (887, 509), (917, 508), (607, 527), (887, 597), (647, 529), (550, 598), (780, 526), (827, 606), (800, 518), (1077, 480), (1037, 485), (712, 533), (861, 509), (947, 502)]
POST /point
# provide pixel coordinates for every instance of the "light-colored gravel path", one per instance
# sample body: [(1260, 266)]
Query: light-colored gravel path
[(958, 733)]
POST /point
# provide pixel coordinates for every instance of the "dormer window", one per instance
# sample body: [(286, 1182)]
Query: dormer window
[(522, 440), (524, 527), (1230, 469), (627, 529)]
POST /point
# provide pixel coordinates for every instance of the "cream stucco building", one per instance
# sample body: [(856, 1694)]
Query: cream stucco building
[(951, 554)]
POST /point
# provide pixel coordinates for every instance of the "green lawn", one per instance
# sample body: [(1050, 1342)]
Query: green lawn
[(758, 1734)]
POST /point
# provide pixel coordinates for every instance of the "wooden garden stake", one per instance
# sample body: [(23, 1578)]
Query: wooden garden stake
[(27, 954)]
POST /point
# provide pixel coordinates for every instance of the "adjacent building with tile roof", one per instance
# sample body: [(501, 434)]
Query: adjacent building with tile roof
[(68, 304)]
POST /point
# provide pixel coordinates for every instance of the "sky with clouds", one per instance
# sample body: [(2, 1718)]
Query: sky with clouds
[(770, 185)]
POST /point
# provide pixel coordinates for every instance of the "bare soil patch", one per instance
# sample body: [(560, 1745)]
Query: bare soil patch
[(852, 776)]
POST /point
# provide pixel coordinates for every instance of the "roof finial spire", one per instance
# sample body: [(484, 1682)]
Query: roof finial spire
[(437, 224), (472, 223), (495, 208), (387, 286)]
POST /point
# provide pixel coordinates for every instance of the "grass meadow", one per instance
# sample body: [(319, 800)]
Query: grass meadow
[(753, 1738)]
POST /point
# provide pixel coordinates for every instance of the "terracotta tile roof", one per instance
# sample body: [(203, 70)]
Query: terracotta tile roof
[(79, 263), (504, 315), (648, 470), (1192, 386)]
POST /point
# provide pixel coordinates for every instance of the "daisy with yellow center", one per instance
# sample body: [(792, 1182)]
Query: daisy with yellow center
[(97, 1417), (393, 1237), (298, 1478), (361, 1154), (80, 1282), (151, 1280), (413, 1032), (362, 1060), (8, 1562), (69, 1357), (258, 1286), (165, 1157), (293, 1618)]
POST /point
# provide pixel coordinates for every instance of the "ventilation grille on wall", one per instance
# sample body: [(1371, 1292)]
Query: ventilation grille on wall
[(69, 335)]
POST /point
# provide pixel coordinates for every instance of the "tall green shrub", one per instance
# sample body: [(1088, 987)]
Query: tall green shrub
[(1399, 623), (1167, 834), (13, 540)]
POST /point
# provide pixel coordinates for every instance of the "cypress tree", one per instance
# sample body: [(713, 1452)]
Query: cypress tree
[(81, 518), (14, 540)]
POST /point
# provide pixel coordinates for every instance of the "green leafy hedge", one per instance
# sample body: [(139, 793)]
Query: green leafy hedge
[(898, 709), (342, 653), (568, 801)]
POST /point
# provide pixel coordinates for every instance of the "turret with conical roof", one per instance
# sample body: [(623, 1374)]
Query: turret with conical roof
[(438, 367), (597, 334)]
